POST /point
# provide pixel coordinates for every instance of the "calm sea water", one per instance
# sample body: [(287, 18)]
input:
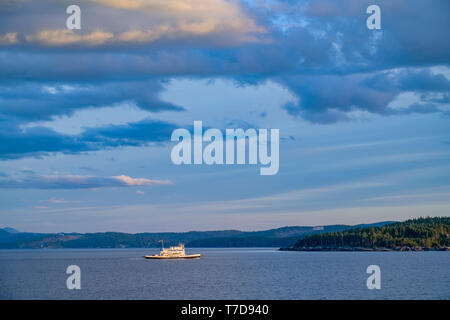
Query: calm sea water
[(223, 274)]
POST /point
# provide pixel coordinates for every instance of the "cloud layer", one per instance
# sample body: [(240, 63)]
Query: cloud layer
[(126, 50), (152, 20), (35, 181), (40, 141)]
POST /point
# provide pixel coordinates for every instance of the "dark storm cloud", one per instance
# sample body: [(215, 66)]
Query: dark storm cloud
[(333, 39), (134, 134), (39, 141), (326, 99), (41, 101), (413, 32)]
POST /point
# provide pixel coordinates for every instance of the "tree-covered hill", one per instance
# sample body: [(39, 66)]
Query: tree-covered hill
[(416, 234)]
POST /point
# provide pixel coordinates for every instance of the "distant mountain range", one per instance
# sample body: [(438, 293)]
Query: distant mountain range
[(11, 230), (280, 237)]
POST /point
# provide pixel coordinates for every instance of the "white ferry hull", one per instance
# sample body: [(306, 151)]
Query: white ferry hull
[(188, 256)]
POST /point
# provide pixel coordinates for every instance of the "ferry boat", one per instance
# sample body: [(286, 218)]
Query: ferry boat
[(177, 252)]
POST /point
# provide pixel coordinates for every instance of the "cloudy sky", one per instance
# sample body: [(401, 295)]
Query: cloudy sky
[(86, 115)]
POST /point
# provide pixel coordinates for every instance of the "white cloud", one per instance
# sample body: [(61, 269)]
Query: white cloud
[(61, 37), (8, 38), (141, 21), (55, 200), (140, 181)]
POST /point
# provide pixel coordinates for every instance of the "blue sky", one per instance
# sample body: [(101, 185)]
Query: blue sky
[(86, 115)]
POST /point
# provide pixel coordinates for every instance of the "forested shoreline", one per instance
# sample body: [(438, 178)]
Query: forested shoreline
[(419, 234)]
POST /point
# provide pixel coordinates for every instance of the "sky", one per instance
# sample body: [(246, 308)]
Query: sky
[(86, 116)]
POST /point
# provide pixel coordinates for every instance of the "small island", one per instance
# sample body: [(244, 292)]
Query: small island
[(422, 234)]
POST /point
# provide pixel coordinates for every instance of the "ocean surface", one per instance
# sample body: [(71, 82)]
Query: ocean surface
[(244, 273)]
